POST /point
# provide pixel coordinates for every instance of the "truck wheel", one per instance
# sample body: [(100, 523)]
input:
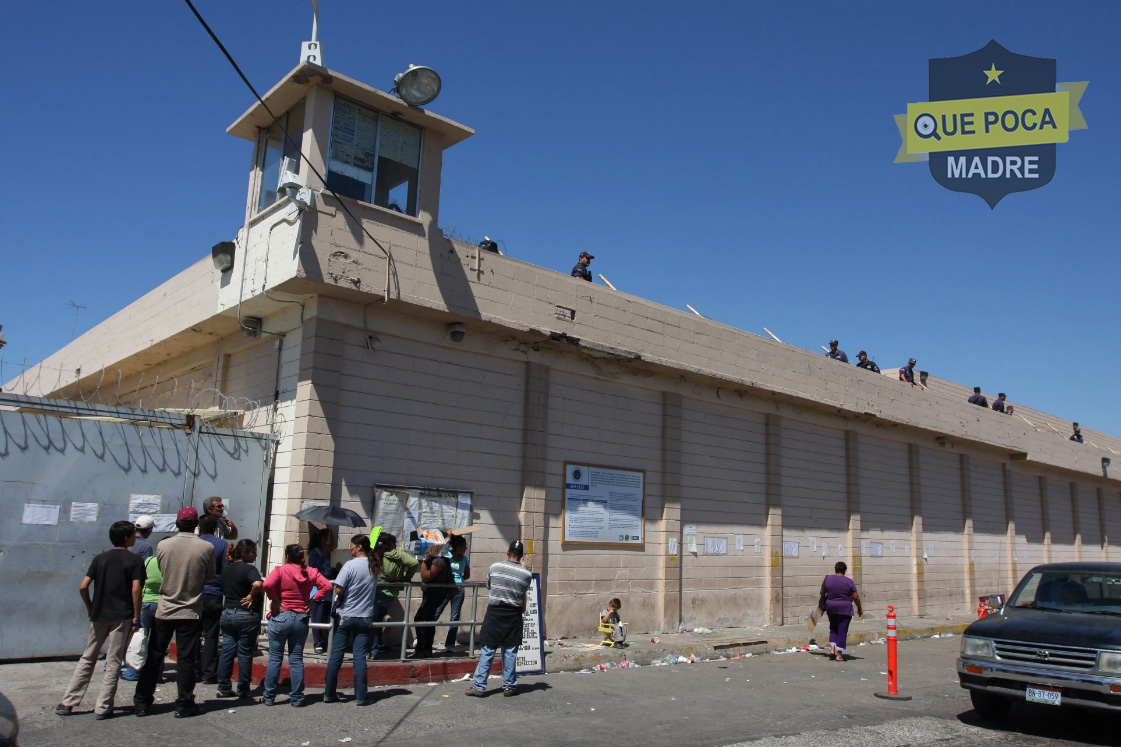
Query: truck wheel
[(989, 706)]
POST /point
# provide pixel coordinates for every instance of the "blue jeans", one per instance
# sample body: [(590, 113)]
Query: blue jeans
[(349, 629), (509, 661), (457, 607), (287, 628), (382, 603), (239, 630)]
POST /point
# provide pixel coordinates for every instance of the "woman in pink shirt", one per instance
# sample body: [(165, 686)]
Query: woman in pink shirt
[(289, 587)]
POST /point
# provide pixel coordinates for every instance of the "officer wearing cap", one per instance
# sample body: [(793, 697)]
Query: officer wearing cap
[(998, 405), (835, 354), (863, 362), (978, 398), (907, 373), (581, 269), (1077, 435)]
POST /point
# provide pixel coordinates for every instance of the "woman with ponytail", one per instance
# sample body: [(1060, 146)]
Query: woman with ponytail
[(241, 617), (289, 587), (355, 588)]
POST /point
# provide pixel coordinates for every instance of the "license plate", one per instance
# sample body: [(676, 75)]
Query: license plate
[(1047, 697)]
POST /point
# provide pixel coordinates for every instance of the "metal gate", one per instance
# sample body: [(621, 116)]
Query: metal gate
[(68, 470)]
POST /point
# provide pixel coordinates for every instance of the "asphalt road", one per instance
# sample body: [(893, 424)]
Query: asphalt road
[(787, 699)]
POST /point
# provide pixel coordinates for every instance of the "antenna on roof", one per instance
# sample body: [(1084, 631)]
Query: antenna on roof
[(702, 316), (312, 51), (75, 323)]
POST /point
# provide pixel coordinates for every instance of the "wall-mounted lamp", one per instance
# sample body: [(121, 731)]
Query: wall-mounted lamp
[(942, 441), (417, 86), (251, 326), (372, 342), (923, 375), (223, 255), (1105, 466), (457, 332)]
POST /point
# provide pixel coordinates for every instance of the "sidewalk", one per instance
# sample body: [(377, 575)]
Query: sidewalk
[(575, 654)]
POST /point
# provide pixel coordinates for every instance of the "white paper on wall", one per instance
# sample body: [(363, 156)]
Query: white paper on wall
[(758, 545), (739, 542), (841, 550), (877, 549), (691, 541), (813, 544), (40, 513), (673, 546), (83, 512), (789, 549), (144, 503), (825, 549), (716, 546), (892, 546)]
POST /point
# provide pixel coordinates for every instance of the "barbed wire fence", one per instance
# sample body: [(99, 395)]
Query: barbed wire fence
[(193, 393)]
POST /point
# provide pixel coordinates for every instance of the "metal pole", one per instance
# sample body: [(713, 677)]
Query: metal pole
[(474, 619), (314, 20), (405, 629)]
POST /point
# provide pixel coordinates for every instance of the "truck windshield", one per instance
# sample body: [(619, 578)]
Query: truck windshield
[(1070, 591)]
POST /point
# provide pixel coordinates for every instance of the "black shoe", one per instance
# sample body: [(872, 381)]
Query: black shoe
[(209, 680), (268, 701), (225, 694), (141, 711), (62, 710), (473, 693), (107, 714), (335, 699), (509, 692), (244, 694), (187, 711), (296, 703)]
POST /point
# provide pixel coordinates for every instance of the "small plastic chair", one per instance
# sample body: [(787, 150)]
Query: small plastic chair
[(611, 633)]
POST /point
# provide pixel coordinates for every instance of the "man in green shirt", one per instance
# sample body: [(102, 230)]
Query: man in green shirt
[(397, 567)]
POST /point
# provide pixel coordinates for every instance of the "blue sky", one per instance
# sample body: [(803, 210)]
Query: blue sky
[(732, 156)]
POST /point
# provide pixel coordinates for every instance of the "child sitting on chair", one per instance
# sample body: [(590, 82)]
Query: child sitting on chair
[(610, 616)]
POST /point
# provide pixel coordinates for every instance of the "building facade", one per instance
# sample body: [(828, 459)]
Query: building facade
[(380, 352)]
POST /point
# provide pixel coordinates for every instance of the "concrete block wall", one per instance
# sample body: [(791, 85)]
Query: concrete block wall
[(435, 274), (885, 519), (814, 509), (723, 492), (1061, 521), (1029, 543), (942, 550), (991, 559), (605, 423)]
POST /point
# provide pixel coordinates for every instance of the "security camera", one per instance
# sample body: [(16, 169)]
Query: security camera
[(456, 331)]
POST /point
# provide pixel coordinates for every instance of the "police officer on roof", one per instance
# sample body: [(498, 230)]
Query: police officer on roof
[(863, 362), (835, 354), (581, 269)]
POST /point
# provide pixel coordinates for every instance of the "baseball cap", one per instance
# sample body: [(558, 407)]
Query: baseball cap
[(517, 548), (833, 342), (144, 521), (187, 513), (861, 353), (912, 360), (589, 256)]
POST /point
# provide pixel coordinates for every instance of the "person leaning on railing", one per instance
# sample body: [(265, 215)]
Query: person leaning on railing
[(397, 567)]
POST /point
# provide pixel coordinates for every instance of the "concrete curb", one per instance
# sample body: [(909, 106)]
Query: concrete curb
[(572, 659)]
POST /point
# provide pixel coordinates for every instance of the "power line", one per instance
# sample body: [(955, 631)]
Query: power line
[(284, 129)]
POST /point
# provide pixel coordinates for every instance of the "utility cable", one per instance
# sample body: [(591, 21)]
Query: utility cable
[(284, 129)]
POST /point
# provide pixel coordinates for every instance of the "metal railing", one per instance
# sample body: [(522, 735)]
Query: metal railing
[(404, 624)]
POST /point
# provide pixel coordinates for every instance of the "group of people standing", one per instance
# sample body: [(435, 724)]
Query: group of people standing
[(197, 584)]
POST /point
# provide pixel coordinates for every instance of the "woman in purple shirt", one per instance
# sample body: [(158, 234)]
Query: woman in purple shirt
[(840, 596)]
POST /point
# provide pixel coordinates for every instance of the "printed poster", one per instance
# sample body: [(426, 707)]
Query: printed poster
[(603, 505), (531, 652)]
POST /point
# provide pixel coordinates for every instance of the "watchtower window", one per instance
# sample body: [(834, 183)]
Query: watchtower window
[(374, 157), (275, 147)]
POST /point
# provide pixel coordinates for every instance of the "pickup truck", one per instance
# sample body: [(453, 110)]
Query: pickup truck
[(1056, 642)]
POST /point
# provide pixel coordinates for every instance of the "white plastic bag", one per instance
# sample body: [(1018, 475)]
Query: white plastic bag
[(137, 652)]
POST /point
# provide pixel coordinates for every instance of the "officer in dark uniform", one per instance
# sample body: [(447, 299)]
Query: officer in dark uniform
[(999, 404), (978, 398), (907, 373), (835, 354), (1077, 435), (863, 362), (581, 269)]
